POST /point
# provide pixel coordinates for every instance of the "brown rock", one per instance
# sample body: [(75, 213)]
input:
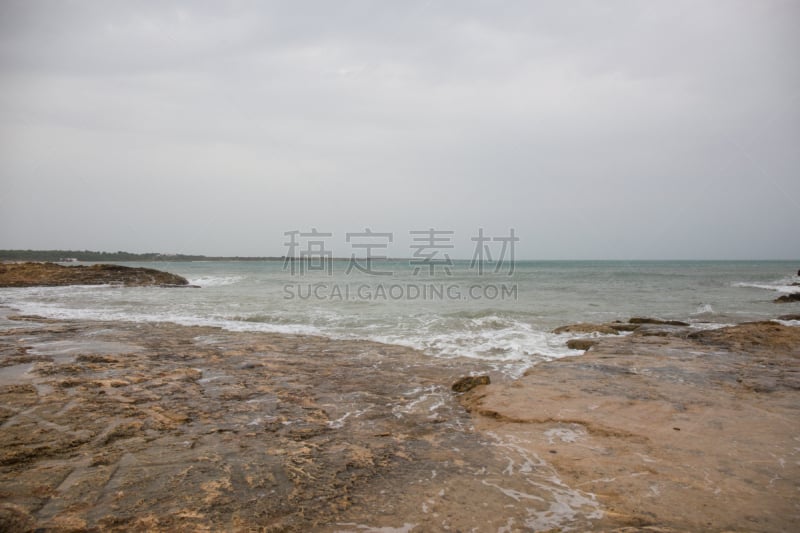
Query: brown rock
[(639, 320), (470, 382), (249, 432), (15, 518), (764, 336), (789, 317), (620, 326), (51, 274), (605, 329), (787, 298), (664, 416), (580, 344)]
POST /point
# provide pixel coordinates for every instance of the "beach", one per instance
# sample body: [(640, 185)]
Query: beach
[(114, 425), (407, 267)]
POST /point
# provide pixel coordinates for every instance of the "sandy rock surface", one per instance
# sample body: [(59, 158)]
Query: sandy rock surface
[(113, 426), (686, 431)]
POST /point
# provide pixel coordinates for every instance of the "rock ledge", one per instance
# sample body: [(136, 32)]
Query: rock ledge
[(52, 275)]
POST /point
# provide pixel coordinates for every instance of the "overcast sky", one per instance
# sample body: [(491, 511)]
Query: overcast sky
[(598, 130)]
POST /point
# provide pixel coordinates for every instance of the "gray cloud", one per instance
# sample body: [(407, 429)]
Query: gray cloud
[(596, 129)]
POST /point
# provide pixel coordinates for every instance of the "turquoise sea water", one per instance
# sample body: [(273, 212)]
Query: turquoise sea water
[(499, 316)]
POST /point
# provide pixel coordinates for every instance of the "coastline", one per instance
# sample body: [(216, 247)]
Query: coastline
[(672, 429), (122, 425)]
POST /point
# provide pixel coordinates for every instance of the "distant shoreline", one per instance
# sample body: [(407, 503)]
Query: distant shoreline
[(66, 256), (73, 256), (89, 256)]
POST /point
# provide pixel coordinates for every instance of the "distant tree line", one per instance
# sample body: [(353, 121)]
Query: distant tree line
[(87, 255)]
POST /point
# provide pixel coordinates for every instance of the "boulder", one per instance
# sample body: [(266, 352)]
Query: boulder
[(787, 298), (580, 344)]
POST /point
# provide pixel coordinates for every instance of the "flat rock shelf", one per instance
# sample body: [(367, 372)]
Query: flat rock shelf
[(118, 426)]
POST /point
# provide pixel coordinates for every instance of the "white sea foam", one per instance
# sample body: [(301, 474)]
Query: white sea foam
[(487, 338), (53, 311), (562, 508), (703, 309), (783, 285), (569, 435), (513, 342), (215, 281), (706, 326)]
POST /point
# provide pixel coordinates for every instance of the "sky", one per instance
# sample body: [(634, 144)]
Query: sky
[(596, 130)]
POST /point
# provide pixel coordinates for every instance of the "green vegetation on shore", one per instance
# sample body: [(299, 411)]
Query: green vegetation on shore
[(87, 255)]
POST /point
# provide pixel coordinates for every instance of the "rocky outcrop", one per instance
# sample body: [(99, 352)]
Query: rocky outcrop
[(52, 274), (582, 328), (787, 298), (648, 327), (614, 328), (670, 433), (580, 344), (111, 426), (789, 317), (753, 337), (656, 321)]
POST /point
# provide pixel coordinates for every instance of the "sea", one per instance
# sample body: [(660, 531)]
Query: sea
[(504, 316)]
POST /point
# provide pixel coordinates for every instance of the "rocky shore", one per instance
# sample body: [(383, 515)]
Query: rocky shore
[(52, 274), (118, 426), (671, 428)]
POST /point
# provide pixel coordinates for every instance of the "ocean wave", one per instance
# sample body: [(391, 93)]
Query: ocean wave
[(107, 315), (215, 281), (489, 312), (515, 344), (704, 309), (512, 342), (784, 285)]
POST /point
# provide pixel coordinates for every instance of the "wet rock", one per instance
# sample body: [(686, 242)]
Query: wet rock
[(661, 330), (186, 435), (789, 317), (52, 274), (665, 418), (788, 298), (758, 337), (604, 329), (469, 382), (15, 518), (621, 326), (580, 344), (656, 321)]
